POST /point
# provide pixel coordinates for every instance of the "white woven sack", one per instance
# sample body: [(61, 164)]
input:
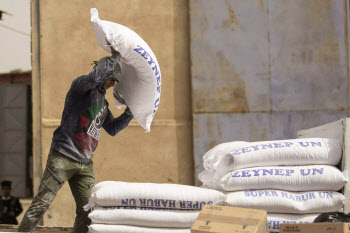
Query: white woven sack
[(206, 176), (169, 196), (140, 83), (293, 178), (303, 151), (274, 220), (214, 156), (278, 201), (146, 217), (100, 228)]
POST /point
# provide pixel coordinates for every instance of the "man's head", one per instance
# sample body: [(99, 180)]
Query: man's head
[(113, 76), (109, 82), (6, 188)]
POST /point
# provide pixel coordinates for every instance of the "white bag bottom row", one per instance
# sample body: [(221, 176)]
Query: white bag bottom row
[(121, 219), (274, 221), (100, 228), (143, 217)]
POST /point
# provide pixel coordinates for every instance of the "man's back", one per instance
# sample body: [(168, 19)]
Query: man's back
[(86, 112)]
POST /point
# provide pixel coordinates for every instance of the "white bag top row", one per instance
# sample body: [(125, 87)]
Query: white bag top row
[(304, 151)]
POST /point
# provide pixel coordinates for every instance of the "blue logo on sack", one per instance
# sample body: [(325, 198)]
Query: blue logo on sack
[(154, 67)]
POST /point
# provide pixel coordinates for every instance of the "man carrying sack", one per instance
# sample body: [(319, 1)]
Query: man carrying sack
[(70, 157)]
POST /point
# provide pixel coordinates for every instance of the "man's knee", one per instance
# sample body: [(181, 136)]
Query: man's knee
[(42, 201), (37, 208)]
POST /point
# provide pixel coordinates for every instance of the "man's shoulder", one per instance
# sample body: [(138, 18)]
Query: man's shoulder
[(77, 80)]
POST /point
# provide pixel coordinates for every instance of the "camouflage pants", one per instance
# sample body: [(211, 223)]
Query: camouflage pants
[(60, 169)]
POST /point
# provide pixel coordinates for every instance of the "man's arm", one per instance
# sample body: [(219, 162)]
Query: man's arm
[(97, 75), (114, 125)]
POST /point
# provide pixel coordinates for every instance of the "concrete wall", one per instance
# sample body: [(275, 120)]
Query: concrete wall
[(67, 47), (264, 69)]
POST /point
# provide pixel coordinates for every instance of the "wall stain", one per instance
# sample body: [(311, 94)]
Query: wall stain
[(217, 87), (319, 12), (233, 18), (328, 53), (261, 3), (213, 144), (234, 89), (328, 4), (199, 20), (318, 45)]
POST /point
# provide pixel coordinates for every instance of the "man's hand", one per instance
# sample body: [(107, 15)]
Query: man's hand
[(120, 99), (115, 54)]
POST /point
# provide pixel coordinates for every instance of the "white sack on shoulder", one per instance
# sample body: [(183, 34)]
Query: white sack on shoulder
[(214, 156), (140, 83), (146, 217), (303, 151), (100, 228), (151, 195), (292, 178), (277, 201), (274, 220)]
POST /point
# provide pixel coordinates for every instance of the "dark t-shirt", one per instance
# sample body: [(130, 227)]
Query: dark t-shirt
[(85, 113)]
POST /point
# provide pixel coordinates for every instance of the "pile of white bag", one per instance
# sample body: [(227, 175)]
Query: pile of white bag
[(147, 207), (293, 180)]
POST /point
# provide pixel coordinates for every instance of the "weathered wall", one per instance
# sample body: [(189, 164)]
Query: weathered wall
[(263, 69), (68, 47)]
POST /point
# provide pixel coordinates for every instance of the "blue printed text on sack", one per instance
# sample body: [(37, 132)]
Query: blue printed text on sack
[(164, 203), (291, 196), (276, 172), (274, 145), (155, 69)]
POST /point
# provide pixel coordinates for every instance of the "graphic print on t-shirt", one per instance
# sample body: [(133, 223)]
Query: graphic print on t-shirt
[(89, 127)]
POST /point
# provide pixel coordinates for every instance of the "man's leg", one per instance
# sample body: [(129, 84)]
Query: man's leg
[(47, 192), (82, 186), (58, 170)]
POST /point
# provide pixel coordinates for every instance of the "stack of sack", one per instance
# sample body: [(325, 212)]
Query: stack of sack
[(147, 207), (293, 180)]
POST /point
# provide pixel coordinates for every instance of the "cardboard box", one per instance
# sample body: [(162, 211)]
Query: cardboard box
[(325, 227), (222, 219)]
